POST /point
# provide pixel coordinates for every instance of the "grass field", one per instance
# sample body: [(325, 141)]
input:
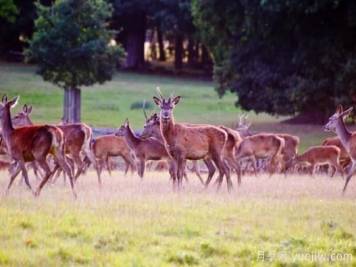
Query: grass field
[(293, 221)]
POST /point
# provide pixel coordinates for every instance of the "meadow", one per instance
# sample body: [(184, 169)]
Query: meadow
[(280, 221), (298, 220)]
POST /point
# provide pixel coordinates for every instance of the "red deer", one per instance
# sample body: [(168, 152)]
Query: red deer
[(348, 139), (319, 155), (344, 155), (77, 139), (193, 143), (262, 146), (291, 142), (145, 149), (32, 143), (152, 128), (112, 146)]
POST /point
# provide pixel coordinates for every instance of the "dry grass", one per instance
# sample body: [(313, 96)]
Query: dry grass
[(133, 222)]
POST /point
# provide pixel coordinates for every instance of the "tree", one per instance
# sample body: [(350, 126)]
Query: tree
[(71, 47), (275, 52), (8, 10)]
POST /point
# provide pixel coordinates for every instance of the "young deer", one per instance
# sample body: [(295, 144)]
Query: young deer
[(319, 155), (77, 139), (344, 155), (193, 143), (336, 124), (31, 143), (112, 146), (145, 149)]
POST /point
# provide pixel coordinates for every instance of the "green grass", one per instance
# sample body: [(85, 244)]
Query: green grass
[(129, 222)]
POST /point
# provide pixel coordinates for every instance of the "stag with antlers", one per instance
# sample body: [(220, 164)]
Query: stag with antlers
[(193, 143), (31, 143)]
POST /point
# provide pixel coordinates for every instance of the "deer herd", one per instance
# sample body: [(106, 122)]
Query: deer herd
[(68, 148)]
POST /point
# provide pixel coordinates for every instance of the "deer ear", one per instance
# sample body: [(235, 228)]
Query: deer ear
[(4, 99), (346, 113), (13, 102), (176, 100), (157, 101), (126, 122), (29, 109), (339, 109)]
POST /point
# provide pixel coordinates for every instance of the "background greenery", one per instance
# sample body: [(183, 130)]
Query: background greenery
[(108, 105)]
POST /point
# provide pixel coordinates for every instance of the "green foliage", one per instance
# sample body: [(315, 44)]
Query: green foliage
[(71, 43), (8, 10), (275, 52)]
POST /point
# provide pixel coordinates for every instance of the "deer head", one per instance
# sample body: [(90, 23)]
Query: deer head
[(121, 130), (23, 117), (167, 106), (337, 119)]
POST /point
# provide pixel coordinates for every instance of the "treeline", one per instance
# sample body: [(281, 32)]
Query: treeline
[(280, 57)]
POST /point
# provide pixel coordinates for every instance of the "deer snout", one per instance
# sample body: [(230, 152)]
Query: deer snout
[(165, 115), (326, 128)]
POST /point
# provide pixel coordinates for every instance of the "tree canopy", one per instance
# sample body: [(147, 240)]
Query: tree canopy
[(282, 57), (71, 43)]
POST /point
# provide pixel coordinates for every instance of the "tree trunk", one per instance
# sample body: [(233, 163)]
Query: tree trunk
[(191, 52), (162, 54), (72, 104), (135, 43), (178, 52)]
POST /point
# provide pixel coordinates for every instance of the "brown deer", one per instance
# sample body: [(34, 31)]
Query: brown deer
[(193, 143), (319, 155), (77, 139), (348, 139), (262, 146), (344, 155), (291, 142), (152, 128), (112, 146), (145, 149), (32, 143)]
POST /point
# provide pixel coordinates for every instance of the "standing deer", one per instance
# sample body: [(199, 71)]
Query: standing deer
[(193, 143), (336, 124), (32, 143), (145, 149), (152, 128), (112, 146), (77, 139), (344, 155)]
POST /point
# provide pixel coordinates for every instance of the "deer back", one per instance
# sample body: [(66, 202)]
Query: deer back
[(111, 145)]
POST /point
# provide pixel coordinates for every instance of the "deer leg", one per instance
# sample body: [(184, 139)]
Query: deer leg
[(61, 161), (233, 163), (141, 168), (91, 157), (180, 170), (349, 175), (197, 171), (14, 170), (211, 170), (108, 164), (25, 174), (48, 173), (185, 171)]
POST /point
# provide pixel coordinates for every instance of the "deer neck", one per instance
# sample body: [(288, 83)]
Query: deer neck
[(168, 130), (131, 139), (343, 133), (7, 127)]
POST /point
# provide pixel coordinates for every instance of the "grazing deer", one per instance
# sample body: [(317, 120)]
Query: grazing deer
[(145, 149), (336, 124), (193, 143), (32, 143), (112, 146), (77, 139), (319, 155)]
